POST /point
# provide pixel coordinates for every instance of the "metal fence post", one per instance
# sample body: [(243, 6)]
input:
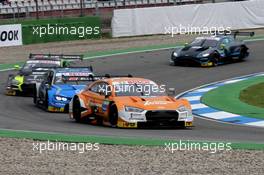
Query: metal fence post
[(37, 10), (115, 4), (96, 8)]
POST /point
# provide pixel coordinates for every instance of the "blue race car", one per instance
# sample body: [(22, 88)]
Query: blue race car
[(59, 86)]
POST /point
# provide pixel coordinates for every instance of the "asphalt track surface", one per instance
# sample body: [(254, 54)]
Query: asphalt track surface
[(19, 113)]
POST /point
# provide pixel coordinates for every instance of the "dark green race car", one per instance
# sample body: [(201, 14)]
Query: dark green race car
[(213, 50), (23, 82)]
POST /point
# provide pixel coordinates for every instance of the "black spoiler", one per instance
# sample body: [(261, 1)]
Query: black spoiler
[(92, 77), (98, 77), (54, 57), (235, 33)]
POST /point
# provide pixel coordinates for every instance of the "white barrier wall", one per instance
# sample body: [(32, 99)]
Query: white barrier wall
[(10, 35), (147, 21)]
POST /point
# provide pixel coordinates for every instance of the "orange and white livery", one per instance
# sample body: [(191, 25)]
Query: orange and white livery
[(127, 102)]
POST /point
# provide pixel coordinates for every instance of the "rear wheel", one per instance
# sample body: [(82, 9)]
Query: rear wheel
[(243, 53), (113, 115), (76, 109), (35, 96)]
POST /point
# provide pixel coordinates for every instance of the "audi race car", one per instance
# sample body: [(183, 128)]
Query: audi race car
[(33, 70), (128, 102), (59, 86), (212, 50)]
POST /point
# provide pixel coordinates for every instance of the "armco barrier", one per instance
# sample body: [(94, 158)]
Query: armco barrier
[(161, 20)]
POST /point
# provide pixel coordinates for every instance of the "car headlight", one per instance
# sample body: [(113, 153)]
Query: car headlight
[(175, 54), (185, 109), (205, 55), (59, 98), (182, 109), (133, 109)]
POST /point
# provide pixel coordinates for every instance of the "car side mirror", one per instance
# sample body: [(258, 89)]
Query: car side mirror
[(17, 67), (171, 92), (222, 47)]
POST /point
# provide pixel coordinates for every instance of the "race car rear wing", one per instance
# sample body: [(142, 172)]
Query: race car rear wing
[(92, 77), (87, 67), (98, 77), (117, 76), (236, 33), (42, 69), (54, 57)]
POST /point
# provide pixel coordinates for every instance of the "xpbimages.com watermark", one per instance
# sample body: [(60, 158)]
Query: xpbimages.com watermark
[(191, 30), (133, 89), (211, 147), (43, 147), (55, 29)]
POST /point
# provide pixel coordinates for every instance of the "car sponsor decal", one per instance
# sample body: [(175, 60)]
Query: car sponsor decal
[(127, 125), (147, 103)]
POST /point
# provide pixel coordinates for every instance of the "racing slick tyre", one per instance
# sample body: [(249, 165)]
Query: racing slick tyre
[(113, 115), (34, 96), (243, 53), (76, 109), (46, 102), (215, 59), (175, 63)]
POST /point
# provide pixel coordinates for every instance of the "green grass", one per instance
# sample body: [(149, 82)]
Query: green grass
[(227, 98), (131, 141), (253, 95), (77, 25)]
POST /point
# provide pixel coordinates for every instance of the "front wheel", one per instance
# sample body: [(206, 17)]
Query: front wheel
[(113, 115), (46, 102), (175, 63), (215, 59), (35, 96), (76, 109), (243, 53)]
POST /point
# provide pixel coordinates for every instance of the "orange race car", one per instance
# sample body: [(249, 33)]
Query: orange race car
[(128, 102)]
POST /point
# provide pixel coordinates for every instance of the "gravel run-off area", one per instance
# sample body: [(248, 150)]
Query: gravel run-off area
[(18, 156)]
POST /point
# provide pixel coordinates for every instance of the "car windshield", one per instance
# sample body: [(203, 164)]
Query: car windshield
[(73, 78), (204, 42), (139, 90), (40, 63)]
